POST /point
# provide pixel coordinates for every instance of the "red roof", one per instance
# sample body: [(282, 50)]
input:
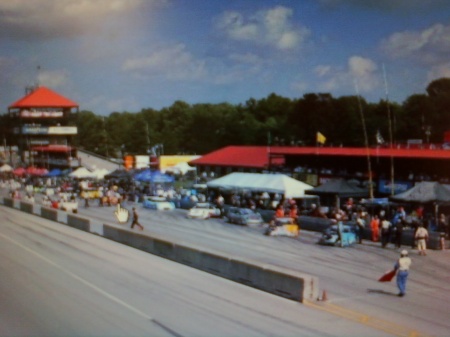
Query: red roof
[(52, 148), (425, 153), (239, 156), (257, 156), (43, 97)]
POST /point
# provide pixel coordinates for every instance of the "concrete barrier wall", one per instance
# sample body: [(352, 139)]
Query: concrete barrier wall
[(8, 202), (50, 214), (26, 207), (315, 224), (78, 223), (282, 282)]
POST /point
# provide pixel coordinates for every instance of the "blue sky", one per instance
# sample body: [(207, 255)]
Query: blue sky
[(126, 55)]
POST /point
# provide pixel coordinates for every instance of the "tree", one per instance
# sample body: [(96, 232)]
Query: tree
[(439, 87)]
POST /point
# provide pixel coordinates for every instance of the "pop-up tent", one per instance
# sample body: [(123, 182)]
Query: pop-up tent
[(82, 173), (258, 182), (151, 176), (6, 168), (425, 192), (334, 190)]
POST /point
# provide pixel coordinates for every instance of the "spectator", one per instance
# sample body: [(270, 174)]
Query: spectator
[(375, 227)]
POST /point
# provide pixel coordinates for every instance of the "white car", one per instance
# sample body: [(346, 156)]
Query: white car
[(158, 203), (69, 206), (203, 210)]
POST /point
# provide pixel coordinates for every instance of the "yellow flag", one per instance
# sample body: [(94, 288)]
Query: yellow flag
[(320, 138)]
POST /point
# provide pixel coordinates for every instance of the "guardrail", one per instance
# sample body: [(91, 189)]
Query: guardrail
[(279, 281), (283, 282)]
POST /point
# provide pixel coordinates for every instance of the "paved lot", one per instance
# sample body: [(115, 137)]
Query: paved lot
[(347, 275)]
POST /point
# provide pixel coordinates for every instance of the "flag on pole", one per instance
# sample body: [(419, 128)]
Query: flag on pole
[(380, 139), (320, 138)]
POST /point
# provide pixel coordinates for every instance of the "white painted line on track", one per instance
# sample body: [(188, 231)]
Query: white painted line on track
[(82, 280)]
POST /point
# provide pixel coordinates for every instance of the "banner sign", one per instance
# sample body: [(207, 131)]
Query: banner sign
[(47, 130), (62, 130), (34, 130), (41, 114), (385, 186)]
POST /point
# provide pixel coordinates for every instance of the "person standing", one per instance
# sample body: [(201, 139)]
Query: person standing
[(136, 220), (385, 232), (402, 267), (360, 226), (375, 227), (421, 238), (399, 232)]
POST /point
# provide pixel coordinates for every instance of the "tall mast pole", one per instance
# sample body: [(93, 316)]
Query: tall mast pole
[(366, 141), (390, 130)]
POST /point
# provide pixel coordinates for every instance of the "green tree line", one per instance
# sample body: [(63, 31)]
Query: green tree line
[(201, 128)]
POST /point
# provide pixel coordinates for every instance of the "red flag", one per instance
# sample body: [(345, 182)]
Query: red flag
[(388, 276)]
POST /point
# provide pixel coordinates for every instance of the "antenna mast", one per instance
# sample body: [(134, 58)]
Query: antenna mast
[(390, 129), (366, 141)]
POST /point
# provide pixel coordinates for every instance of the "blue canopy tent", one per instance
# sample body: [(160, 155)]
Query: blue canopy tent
[(150, 176), (54, 173)]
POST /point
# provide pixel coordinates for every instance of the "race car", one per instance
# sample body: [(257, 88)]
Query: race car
[(330, 236), (283, 226), (244, 216), (158, 203), (203, 210)]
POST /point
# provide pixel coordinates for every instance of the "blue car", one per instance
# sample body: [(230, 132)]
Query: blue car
[(330, 236), (158, 203)]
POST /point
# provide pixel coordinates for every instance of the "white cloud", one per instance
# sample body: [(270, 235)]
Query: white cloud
[(249, 58), (62, 18), (174, 63), (271, 27), (322, 70), (428, 46), (53, 79), (361, 70), (235, 27)]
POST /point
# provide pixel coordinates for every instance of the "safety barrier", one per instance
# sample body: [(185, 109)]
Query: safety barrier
[(78, 223), (279, 281), (26, 207), (49, 214), (8, 202)]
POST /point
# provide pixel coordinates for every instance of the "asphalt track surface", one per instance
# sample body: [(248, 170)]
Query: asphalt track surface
[(60, 281)]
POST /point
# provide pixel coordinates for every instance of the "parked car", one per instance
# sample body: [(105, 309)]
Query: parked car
[(244, 216), (203, 210), (158, 203), (330, 236), (69, 206), (283, 226)]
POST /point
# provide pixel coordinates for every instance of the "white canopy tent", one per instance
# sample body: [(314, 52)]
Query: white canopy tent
[(6, 168), (82, 172), (101, 173), (257, 182), (180, 168)]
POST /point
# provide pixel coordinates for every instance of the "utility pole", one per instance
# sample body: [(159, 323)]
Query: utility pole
[(366, 141), (390, 132)]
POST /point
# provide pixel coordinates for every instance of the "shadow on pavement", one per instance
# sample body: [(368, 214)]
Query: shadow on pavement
[(382, 292)]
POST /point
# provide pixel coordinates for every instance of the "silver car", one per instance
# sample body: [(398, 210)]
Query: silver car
[(244, 216)]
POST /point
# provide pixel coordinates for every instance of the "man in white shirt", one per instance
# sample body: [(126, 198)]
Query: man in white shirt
[(421, 237), (402, 267)]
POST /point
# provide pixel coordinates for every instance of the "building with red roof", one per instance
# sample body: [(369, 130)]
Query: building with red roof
[(41, 127), (316, 165), (45, 98)]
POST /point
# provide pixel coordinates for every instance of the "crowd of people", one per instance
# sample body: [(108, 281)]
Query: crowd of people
[(385, 225)]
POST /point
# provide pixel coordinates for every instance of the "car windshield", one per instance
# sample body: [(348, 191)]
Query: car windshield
[(156, 199), (284, 221)]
